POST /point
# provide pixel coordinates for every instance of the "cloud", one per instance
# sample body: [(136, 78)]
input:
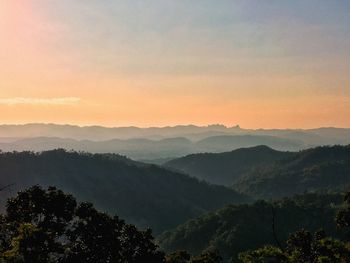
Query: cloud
[(40, 101)]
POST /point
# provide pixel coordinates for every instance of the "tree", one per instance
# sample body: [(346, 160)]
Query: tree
[(31, 245), (266, 254), (343, 216), (303, 247), (50, 226), (207, 256), (178, 257)]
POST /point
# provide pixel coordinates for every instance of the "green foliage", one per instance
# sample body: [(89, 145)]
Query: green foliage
[(343, 216), (49, 226), (31, 245), (145, 195), (180, 256), (302, 247), (238, 228), (322, 168), (266, 254), (207, 256)]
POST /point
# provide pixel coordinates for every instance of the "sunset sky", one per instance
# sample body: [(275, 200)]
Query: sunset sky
[(259, 64)]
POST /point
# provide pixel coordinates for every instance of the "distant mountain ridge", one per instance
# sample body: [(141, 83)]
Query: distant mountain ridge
[(98, 133), (142, 148), (313, 137)]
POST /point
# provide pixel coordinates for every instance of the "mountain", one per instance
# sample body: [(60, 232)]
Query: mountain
[(99, 133), (225, 168), (231, 142), (321, 168), (146, 195), (237, 228), (309, 138), (133, 148), (147, 149)]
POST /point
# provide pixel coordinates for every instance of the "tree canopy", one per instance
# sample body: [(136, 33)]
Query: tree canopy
[(50, 226)]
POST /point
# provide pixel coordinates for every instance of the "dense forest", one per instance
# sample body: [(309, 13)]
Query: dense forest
[(321, 168), (48, 226), (264, 173), (237, 228), (225, 168), (298, 215), (146, 195)]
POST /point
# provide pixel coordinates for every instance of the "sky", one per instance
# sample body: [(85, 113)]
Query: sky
[(259, 64)]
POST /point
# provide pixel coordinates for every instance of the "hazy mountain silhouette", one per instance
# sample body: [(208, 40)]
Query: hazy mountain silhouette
[(152, 149), (311, 137), (231, 142)]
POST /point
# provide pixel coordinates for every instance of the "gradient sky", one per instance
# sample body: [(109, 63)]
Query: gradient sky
[(270, 64)]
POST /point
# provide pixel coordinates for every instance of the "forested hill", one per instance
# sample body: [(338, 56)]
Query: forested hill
[(322, 168), (146, 195), (238, 228), (226, 168)]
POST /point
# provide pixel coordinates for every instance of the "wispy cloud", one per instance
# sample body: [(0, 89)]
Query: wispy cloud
[(39, 101)]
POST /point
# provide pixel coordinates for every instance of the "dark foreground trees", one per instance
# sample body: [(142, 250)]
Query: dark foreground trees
[(304, 247), (50, 226), (207, 256)]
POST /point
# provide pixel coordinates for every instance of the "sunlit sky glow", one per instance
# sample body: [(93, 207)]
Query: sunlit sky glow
[(269, 64)]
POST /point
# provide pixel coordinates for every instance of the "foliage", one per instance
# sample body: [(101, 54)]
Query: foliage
[(302, 247), (180, 256), (207, 256), (323, 168), (50, 226), (266, 254), (238, 228), (343, 217)]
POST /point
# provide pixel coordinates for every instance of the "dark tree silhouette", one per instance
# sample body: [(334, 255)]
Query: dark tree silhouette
[(304, 247), (49, 226)]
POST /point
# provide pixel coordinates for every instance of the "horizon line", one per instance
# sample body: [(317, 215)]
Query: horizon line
[(237, 126)]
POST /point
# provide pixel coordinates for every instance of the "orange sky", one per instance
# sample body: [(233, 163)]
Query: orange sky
[(86, 63)]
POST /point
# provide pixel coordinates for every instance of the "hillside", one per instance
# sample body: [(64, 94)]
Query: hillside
[(146, 195), (238, 228), (225, 168), (322, 168)]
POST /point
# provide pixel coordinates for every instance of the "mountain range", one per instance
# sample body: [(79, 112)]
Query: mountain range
[(141, 149), (159, 144), (227, 167), (264, 173), (143, 194), (319, 136)]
